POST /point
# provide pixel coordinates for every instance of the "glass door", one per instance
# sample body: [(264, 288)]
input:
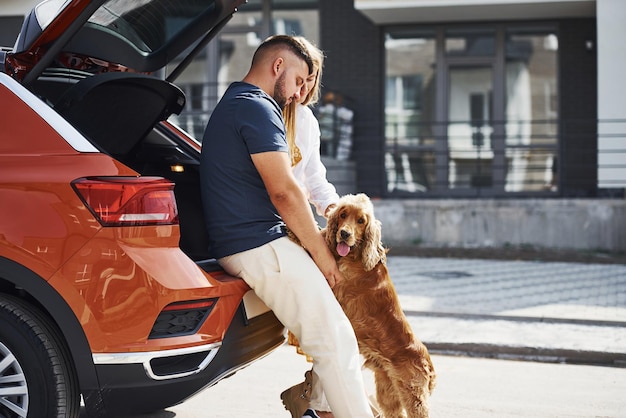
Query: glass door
[(531, 110), (470, 128), (472, 110)]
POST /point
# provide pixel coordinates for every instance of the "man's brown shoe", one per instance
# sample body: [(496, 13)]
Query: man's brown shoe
[(296, 399)]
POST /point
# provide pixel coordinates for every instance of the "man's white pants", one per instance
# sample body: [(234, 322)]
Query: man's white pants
[(285, 277)]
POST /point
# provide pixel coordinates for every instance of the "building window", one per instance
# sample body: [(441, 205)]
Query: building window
[(470, 126), (227, 58), (471, 110), (409, 103), (531, 110), (470, 42)]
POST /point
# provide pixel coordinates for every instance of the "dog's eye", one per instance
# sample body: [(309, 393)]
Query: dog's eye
[(361, 220), (343, 215)]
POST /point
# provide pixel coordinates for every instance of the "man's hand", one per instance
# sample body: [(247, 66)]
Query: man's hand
[(333, 277)]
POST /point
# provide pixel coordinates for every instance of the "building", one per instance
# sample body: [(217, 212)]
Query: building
[(485, 122), (487, 98), (471, 122)]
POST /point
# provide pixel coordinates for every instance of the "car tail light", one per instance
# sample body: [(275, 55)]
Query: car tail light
[(129, 201)]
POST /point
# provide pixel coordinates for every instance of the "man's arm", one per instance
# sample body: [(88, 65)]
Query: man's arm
[(292, 206)]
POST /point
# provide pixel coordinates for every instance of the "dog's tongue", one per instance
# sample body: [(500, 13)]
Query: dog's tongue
[(343, 249)]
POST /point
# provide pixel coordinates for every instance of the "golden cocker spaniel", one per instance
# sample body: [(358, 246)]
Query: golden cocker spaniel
[(402, 368)]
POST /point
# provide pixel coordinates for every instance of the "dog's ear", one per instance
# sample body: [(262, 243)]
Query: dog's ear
[(330, 232), (373, 251)]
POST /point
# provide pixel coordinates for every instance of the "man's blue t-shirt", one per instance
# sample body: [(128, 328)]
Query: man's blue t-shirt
[(237, 208)]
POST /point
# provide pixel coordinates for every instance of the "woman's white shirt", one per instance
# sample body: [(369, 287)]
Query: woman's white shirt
[(310, 171)]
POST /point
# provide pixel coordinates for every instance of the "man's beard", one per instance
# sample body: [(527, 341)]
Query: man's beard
[(279, 89)]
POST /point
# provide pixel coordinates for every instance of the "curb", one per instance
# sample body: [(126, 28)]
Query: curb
[(543, 355), (516, 318)]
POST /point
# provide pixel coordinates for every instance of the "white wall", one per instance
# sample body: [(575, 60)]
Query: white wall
[(611, 18)]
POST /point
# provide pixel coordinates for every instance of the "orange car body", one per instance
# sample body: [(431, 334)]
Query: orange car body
[(142, 321)]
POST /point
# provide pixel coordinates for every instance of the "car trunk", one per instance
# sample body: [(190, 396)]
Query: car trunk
[(121, 114), (90, 60)]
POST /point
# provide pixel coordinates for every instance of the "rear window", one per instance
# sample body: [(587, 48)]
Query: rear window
[(151, 24)]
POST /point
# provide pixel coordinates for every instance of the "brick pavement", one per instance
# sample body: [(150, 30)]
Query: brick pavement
[(550, 311)]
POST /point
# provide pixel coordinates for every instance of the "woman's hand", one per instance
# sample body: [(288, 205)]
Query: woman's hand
[(329, 209)]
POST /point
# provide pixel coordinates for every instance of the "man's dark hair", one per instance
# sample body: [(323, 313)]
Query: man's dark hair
[(290, 43)]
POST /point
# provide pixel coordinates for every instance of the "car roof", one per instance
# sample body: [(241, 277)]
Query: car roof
[(132, 35)]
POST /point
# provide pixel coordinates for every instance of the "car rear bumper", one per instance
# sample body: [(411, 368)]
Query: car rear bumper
[(145, 382), (182, 362)]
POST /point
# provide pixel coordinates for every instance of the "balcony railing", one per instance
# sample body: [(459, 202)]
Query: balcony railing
[(546, 158), (512, 158)]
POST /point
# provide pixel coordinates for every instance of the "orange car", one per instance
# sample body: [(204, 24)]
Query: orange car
[(107, 293)]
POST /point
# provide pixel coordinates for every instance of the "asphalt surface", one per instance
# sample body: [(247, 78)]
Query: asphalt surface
[(531, 310), (467, 387), (509, 338)]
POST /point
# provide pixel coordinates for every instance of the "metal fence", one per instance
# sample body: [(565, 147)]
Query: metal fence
[(509, 158), (549, 158)]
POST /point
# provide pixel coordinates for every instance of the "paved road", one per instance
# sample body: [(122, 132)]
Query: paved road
[(486, 313), (544, 311), (467, 388)]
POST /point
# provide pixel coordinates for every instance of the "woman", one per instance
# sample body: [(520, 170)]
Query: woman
[(303, 137)]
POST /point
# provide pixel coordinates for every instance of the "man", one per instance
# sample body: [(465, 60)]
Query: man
[(249, 194)]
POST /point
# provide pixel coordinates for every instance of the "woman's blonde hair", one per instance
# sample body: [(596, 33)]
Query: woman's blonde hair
[(289, 112)]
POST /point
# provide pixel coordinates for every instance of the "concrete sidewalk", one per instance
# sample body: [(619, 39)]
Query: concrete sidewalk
[(546, 312), (466, 387), (555, 312)]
